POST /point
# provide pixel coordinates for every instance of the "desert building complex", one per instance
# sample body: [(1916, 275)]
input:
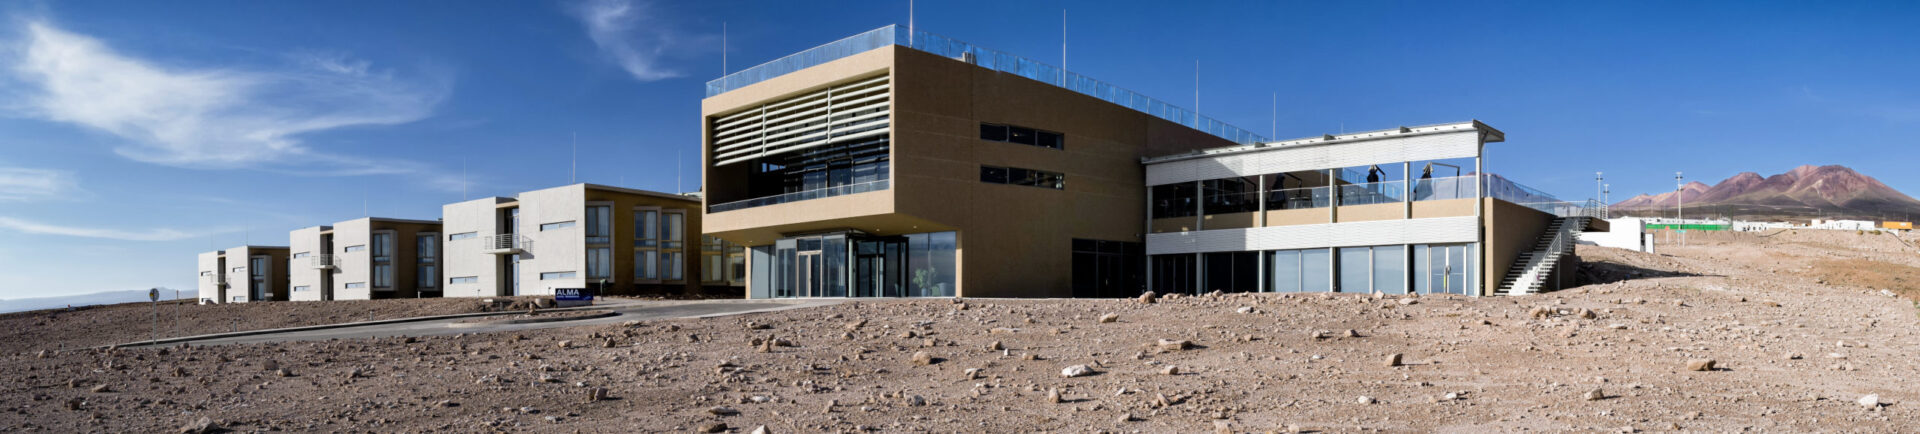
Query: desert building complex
[(897, 163), (243, 274), (364, 259)]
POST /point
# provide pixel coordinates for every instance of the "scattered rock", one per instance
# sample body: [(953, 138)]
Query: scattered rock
[(102, 389), (1109, 318), (1173, 344), (1366, 400), (1700, 365), (1595, 395), (713, 427), (283, 373), (922, 358), (1540, 312), (199, 426), (566, 344), (1076, 371), (1409, 301), (1053, 396), (1588, 314), (1352, 333), (1148, 297), (995, 346), (1870, 401), (1170, 370), (1244, 309), (916, 401), (1393, 360), (722, 411), (761, 430)]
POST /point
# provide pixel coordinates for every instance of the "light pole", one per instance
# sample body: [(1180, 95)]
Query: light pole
[(1600, 186), (1680, 206), (1606, 198)]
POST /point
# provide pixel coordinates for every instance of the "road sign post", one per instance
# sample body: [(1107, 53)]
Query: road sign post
[(153, 295)]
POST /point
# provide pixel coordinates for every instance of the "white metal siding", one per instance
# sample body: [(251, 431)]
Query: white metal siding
[(1290, 158), (835, 114)]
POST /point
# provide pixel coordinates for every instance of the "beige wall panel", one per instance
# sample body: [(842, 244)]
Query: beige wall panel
[(1373, 212), (1290, 217), (1229, 221), (1511, 230), (1442, 208)]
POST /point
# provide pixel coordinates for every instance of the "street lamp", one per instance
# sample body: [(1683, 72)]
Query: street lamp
[(1599, 184), (1680, 206)]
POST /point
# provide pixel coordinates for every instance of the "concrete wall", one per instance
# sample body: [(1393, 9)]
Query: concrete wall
[(1622, 233), (212, 267), (1510, 230), (355, 267), (468, 258), (558, 250), (300, 271)]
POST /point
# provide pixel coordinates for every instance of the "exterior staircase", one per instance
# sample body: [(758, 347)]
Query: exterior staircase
[(1531, 270)]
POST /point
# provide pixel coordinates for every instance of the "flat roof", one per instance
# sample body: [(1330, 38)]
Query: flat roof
[(1493, 136), (641, 192)]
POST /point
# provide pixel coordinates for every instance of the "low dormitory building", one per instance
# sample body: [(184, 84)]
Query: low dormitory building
[(365, 259), (243, 274), (607, 239)]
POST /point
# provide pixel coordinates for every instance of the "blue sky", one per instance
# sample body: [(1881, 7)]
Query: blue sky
[(136, 134)]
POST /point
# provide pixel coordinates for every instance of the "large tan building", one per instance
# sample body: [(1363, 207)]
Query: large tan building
[(920, 166), (609, 239)]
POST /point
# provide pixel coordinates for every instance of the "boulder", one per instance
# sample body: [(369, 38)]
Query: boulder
[(1076, 371), (1148, 297), (1700, 365), (922, 358), (1109, 318)]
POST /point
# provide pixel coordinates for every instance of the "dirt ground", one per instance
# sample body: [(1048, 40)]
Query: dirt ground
[(1796, 345)]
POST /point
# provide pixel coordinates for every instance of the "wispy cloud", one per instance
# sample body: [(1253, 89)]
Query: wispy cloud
[(163, 234), (22, 184), (631, 34), (214, 117)]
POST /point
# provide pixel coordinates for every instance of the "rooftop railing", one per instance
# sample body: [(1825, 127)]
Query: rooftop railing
[(985, 58), (1501, 188), (801, 195)]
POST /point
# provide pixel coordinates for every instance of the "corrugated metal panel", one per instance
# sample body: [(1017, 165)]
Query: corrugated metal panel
[(1318, 157), (840, 113), (1374, 233)]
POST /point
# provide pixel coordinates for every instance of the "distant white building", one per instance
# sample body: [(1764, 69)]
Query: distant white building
[(1844, 225), (1626, 233), (1744, 226)]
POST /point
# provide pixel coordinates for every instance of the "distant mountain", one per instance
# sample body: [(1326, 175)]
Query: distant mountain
[(1804, 192), (109, 297)]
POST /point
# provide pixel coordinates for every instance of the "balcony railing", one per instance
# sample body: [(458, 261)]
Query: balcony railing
[(1454, 187), (801, 195), (985, 58), (324, 262), (1372, 193), (505, 244)]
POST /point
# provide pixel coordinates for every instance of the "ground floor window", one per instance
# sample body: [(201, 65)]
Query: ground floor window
[(857, 265), (1373, 269), (1231, 272), (1390, 269), (1174, 273), (1306, 270), (1443, 269), (1107, 269)]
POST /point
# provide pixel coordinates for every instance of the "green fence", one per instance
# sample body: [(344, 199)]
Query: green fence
[(1688, 227)]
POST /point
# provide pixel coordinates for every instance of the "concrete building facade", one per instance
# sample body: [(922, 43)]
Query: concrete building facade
[(1393, 211), (244, 274), (609, 239), (311, 264), (379, 258), (913, 167)]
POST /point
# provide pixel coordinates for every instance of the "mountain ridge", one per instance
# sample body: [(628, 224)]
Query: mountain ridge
[(1831, 191)]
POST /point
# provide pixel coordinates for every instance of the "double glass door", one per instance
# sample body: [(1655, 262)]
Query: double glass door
[(807, 275), (1447, 269)]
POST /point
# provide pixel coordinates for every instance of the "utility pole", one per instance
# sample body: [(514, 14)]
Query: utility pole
[(1600, 186), (1680, 206)]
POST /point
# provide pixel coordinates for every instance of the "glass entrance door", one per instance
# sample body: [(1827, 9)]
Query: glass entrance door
[(807, 274), (1447, 269)]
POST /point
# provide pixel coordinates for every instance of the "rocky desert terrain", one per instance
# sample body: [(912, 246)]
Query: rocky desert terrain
[(1790, 332)]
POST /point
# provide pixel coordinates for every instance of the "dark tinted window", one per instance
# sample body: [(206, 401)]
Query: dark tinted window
[(1018, 176), (1020, 135), (1050, 140), (994, 175), (992, 132)]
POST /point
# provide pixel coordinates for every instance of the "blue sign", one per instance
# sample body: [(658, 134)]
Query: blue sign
[(569, 297)]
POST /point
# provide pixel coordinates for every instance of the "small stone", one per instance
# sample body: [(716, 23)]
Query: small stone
[(1352, 333), (916, 401), (1173, 344), (1124, 418), (565, 344), (973, 373), (1700, 365), (1244, 309), (1540, 312), (1076, 371), (922, 358), (1148, 297), (758, 326), (761, 430), (1451, 396), (1408, 301), (713, 427), (1794, 356), (1595, 395), (198, 426), (1393, 360), (1366, 400), (1870, 401), (995, 346), (1170, 370), (1053, 396), (102, 389), (1109, 318), (723, 411), (269, 365), (1588, 314), (42, 354), (283, 373)]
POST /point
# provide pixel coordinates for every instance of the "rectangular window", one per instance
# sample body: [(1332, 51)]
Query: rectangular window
[(675, 227), (206, 273), (427, 247), (558, 275), (556, 225), (1390, 269), (1356, 269), (1049, 139), (1021, 135), (645, 264), (302, 288), (1023, 177), (599, 224), (466, 279), (382, 275), (1175, 200), (356, 285), (428, 277), (300, 255), (382, 246), (674, 265), (599, 262), (351, 249), (993, 132), (644, 223), (462, 236)]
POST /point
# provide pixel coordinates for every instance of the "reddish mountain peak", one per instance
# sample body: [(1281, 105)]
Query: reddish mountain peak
[(1831, 189)]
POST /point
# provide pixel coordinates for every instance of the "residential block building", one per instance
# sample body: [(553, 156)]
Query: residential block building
[(243, 274), (903, 164), (366, 258), (609, 239)]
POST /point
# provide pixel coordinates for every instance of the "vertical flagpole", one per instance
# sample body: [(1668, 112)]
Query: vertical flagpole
[(1063, 45)]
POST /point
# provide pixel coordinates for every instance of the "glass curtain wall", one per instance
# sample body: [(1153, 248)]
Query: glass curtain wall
[(1443, 268), (1173, 273), (1108, 269), (1231, 272), (1306, 270), (855, 265), (1297, 190)]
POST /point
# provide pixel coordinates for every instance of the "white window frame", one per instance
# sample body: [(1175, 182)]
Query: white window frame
[(556, 225)]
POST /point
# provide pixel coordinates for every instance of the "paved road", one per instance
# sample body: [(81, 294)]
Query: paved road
[(625, 312)]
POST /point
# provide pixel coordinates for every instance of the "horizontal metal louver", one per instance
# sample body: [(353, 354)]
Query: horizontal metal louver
[(836, 114)]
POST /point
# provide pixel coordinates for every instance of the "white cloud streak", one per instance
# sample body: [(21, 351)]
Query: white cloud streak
[(163, 234), (21, 184), (629, 34), (213, 117)]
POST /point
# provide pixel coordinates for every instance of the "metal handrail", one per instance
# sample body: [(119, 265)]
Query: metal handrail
[(506, 242), (797, 196), (324, 260)]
